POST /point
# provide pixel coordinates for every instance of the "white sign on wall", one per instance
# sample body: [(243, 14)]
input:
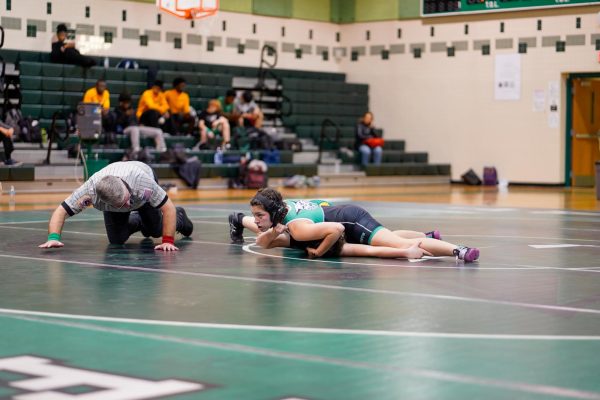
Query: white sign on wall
[(507, 77)]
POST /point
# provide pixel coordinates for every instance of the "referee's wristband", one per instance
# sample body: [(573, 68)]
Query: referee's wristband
[(168, 239), (54, 236)]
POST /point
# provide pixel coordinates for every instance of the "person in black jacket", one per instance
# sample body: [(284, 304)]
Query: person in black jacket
[(65, 52), (365, 132)]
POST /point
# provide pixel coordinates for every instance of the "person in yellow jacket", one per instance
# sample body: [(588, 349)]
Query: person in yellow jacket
[(153, 109), (100, 94), (179, 108)]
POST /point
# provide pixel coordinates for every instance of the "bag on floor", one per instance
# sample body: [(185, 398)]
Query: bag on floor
[(490, 176), (471, 178)]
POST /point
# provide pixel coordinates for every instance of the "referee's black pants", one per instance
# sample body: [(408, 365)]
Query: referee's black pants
[(121, 225)]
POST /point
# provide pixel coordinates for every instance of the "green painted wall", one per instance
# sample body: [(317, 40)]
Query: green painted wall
[(342, 11), (315, 10), (241, 6), (376, 10), (337, 11), (278, 8)]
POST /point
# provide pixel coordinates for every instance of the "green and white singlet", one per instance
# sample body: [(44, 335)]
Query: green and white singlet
[(311, 210)]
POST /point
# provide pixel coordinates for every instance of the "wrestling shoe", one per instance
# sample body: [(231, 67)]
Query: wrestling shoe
[(467, 254), (236, 228), (184, 225)]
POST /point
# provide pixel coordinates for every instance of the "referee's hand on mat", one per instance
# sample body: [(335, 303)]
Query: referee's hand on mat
[(166, 247), (50, 244)]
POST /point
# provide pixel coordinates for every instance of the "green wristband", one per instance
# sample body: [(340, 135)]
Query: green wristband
[(54, 236)]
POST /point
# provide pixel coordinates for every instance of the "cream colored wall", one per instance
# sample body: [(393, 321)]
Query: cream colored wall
[(446, 106), (143, 16)]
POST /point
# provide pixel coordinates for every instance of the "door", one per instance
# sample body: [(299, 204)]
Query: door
[(585, 131)]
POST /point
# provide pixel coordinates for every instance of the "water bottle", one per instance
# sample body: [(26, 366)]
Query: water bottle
[(218, 156), (106, 64), (44, 135), (12, 196)]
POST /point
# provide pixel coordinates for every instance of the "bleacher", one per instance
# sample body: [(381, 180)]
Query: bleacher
[(47, 88)]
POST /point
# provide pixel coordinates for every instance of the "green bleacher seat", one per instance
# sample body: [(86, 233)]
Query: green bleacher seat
[(115, 87), (31, 96), (114, 74), (24, 172), (72, 71), (136, 75), (89, 83), (94, 73), (28, 68), (394, 145), (135, 87), (72, 99), (75, 85), (31, 110), (48, 111), (207, 80), (167, 65), (29, 56), (52, 70), (10, 56), (52, 84), (52, 98), (190, 77), (224, 80), (208, 92)]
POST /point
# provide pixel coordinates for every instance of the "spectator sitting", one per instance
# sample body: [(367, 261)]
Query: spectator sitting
[(249, 112), (367, 140), (153, 109), (211, 122), (125, 122), (179, 107), (6, 133), (228, 107), (100, 94), (65, 52)]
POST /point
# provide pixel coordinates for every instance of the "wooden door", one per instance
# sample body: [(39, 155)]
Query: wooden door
[(585, 131)]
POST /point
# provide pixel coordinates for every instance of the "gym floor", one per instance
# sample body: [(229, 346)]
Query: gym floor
[(222, 321)]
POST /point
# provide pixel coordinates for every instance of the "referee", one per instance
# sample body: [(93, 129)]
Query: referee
[(131, 200)]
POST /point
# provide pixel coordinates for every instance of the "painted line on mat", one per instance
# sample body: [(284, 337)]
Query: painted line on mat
[(318, 285), (557, 391), (298, 329)]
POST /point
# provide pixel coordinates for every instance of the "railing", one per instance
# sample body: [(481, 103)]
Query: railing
[(324, 136)]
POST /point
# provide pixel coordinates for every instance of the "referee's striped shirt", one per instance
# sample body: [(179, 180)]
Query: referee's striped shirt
[(137, 175)]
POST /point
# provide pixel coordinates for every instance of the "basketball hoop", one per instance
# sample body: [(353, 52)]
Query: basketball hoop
[(189, 9)]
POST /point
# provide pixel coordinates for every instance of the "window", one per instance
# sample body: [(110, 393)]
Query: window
[(48, 8), (177, 43), (158, 19), (501, 27), (298, 53), (325, 55), (8, 5), (31, 30), (385, 54), (578, 23), (368, 35), (144, 40), (354, 56), (432, 31), (560, 46), (224, 26), (124, 16), (283, 31), (399, 33), (210, 45), (485, 50), (310, 34), (87, 11), (466, 29), (417, 52), (539, 24), (241, 48), (253, 28), (450, 51), (337, 37), (108, 37)]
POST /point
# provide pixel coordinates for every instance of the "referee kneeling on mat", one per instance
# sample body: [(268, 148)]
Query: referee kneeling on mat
[(131, 200)]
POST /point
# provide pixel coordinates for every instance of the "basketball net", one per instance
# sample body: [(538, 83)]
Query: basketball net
[(189, 9)]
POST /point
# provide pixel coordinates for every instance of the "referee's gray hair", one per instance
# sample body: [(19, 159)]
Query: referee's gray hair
[(111, 190)]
